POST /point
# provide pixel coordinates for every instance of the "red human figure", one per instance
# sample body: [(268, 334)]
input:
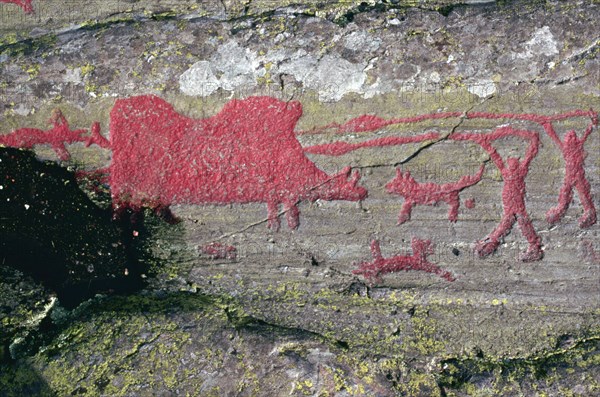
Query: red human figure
[(574, 155), (514, 173), (429, 193), (57, 137), (421, 249)]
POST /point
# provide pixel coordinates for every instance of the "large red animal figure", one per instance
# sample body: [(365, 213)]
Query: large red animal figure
[(247, 153)]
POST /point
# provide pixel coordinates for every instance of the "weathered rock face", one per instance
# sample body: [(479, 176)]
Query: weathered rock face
[(457, 117)]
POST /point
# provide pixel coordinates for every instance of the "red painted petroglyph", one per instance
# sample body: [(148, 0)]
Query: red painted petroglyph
[(246, 153), (369, 122), (217, 250), (249, 152), (59, 135), (429, 193), (514, 173), (574, 155), (470, 203), (24, 4), (573, 152), (421, 249), (340, 148)]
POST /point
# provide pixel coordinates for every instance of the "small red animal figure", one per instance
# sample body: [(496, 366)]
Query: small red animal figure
[(574, 155), (247, 153), (514, 173), (24, 4), (217, 250), (59, 135), (429, 193), (373, 271)]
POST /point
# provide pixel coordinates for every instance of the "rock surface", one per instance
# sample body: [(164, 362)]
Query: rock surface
[(230, 307)]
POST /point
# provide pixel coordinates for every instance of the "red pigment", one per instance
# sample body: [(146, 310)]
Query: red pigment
[(340, 148), (96, 138), (470, 203), (429, 193), (24, 4), (514, 172), (536, 118), (373, 271), (246, 153), (369, 122), (574, 154), (59, 135), (217, 250)]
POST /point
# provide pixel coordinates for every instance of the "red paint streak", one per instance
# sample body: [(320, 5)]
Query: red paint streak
[(429, 193), (59, 135), (369, 122), (514, 173), (574, 154), (217, 250), (246, 153), (340, 148), (536, 118), (24, 4), (373, 271)]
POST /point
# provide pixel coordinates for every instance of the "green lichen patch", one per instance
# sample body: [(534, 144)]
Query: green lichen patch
[(571, 371)]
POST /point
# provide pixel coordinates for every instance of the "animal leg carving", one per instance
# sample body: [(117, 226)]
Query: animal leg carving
[(454, 205), (405, 211), (292, 215), (273, 215)]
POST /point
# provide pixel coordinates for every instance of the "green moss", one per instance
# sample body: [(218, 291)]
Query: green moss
[(536, 371), (28, 47)]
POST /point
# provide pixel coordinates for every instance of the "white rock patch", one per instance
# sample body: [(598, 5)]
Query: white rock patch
[(235, 67), (542, 43), (482, 88)]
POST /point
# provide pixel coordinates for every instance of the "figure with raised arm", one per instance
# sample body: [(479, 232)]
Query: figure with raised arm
[(514, 172), (574, 154)]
